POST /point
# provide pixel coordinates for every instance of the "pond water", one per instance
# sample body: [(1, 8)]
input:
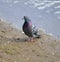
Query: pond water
[(43, 13)]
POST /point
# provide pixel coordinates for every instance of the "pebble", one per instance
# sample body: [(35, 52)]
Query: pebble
[(38, 55), (18, 38)]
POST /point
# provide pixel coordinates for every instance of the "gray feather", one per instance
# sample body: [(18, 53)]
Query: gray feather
[(35, 32)]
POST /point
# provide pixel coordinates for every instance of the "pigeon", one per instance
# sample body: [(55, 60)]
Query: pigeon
[(29, 30)]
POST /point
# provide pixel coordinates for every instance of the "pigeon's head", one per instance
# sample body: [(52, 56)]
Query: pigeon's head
[(26, 18)]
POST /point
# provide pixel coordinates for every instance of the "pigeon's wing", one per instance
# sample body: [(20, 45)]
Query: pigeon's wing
[(35, 32), (27, 29)]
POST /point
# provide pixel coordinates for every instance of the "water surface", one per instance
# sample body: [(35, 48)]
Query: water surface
[(43, 13)]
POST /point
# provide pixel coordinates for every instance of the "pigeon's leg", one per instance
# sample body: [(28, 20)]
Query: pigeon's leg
[(31, 39), (28, 39)]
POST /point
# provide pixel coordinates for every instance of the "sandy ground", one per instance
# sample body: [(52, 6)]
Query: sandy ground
[(14, 48)]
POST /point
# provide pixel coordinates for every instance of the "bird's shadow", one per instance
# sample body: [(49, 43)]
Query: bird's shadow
[(25, 39), (13, 39)]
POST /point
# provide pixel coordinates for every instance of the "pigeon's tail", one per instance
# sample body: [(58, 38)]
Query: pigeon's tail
[(35, 32), (38, 36)]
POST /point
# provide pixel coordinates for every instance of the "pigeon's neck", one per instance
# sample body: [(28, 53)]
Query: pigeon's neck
[(27, 20), (29, 23)]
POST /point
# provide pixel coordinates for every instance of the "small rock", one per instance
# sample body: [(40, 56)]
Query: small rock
[(38, 55), (18, 38), (3, 31)]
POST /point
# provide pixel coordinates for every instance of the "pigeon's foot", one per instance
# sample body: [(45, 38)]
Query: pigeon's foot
[(31, 39)]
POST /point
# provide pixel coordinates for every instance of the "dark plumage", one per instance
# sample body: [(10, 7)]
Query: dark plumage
[(28, 29)]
